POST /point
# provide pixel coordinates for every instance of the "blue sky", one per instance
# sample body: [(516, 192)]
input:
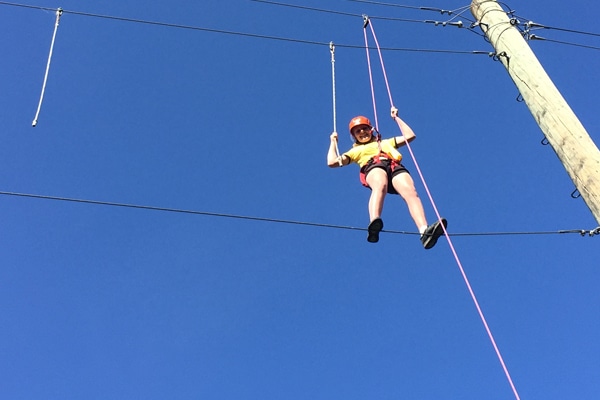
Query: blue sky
[(101, 301)]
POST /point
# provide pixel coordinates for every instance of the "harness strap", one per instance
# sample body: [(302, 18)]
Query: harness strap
[(382, 156)]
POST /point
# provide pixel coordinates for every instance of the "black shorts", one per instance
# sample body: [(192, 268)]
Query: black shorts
[(392, 170)]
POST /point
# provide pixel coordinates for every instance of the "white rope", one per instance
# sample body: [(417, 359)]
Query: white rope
[(332, 49), (37, 114)]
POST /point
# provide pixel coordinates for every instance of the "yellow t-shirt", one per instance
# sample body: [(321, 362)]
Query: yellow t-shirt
[(362, 153)]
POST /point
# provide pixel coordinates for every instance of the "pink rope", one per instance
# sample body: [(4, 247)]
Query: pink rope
[(460, 266), (371, 80)]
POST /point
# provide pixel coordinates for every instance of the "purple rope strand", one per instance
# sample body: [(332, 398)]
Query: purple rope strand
[(460, 266)]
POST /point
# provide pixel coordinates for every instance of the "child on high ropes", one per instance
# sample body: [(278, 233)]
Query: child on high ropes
[(382, 172)]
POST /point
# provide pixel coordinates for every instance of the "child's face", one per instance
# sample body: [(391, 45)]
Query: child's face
[(362, 133)]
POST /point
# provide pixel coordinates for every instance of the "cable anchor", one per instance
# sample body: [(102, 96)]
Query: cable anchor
[(458, 24), (437, 10), (477, 24), (536, 37), (575, 194), (591, 233), (532, 24), (496, 57)]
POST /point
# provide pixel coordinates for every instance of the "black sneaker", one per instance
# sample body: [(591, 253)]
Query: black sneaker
[(374, 228), (432, 233)]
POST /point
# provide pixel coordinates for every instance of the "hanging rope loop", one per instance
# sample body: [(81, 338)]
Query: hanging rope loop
[(387, 84), (366, 22), (332, 51), (37, 114), (400, 123)]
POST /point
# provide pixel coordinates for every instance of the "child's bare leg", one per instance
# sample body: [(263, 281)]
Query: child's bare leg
[(405, 186), (377, 180)]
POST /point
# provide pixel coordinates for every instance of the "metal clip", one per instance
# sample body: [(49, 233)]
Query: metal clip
[(545, 141), (365, 20), (575, 194)]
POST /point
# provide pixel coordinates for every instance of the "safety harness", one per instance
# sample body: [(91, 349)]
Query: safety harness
[(381, 158)]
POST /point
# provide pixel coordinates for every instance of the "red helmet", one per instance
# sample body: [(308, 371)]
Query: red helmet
[(356, 121)]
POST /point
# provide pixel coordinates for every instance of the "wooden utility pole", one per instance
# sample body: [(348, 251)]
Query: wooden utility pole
[(571, 142)]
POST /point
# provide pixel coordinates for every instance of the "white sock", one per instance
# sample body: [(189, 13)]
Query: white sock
[(422, 229)]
